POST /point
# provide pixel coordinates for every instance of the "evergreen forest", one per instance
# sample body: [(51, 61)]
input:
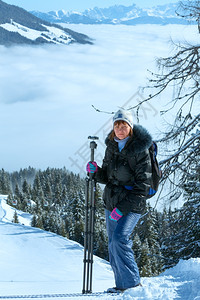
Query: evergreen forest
[(56, 200)]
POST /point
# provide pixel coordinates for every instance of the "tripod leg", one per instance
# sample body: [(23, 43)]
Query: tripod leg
[(89, 226), (89, 238), (85, 260), (92, 214)]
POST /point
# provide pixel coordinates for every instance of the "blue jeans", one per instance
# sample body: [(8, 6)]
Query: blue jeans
[(121, 255)]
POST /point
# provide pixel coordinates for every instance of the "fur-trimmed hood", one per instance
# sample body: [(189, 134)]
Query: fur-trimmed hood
[(140, 141)]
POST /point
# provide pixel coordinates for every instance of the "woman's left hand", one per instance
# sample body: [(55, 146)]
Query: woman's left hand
[(116, 214)]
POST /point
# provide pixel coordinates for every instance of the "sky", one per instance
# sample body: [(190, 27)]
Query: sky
[(80, 5)]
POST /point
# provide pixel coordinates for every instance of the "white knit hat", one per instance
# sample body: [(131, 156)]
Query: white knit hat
[(123, 115)]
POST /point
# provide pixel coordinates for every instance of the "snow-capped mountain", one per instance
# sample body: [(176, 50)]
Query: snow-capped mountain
[(17, 26), (117, 14)]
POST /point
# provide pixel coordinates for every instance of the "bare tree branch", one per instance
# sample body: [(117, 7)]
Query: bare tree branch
[(180, 72)]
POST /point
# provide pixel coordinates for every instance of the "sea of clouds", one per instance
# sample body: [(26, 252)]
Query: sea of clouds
[(47, 92)]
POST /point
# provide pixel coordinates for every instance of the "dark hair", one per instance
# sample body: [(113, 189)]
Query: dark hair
[(112, 134)]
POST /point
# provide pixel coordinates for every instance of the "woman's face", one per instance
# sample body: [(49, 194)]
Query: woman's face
[(121, 130)]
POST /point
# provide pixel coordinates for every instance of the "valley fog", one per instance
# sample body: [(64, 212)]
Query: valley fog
[(47, 92)]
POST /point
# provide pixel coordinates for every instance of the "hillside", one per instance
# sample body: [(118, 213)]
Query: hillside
[(17, 26), (36, 262)]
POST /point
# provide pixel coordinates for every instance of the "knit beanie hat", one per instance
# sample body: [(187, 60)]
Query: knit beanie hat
[(123, 115)]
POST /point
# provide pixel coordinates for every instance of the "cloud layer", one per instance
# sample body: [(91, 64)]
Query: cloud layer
[(46, 92)]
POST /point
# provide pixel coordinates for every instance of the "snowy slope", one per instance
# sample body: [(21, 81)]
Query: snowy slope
[(7, 212), (53, 34), (17, 26), (35, 262)]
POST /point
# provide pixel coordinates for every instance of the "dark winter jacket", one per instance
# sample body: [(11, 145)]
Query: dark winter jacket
[(131, 167)]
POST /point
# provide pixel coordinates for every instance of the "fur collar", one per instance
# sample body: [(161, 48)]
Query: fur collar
[(140, 141)]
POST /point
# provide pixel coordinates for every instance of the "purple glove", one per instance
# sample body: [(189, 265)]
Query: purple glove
[(91, 167), (116, 214)]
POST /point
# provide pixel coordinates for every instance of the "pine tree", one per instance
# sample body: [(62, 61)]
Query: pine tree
[(26, 188), (48, 191), (5, 187), (34, 221), (17, 191), (15, 217), (39, 223), (145, 263), (17, 197), (188, 236), (147, 229), (78, 222), (62, 230), (137, 248), (58, 194), (167, 234)]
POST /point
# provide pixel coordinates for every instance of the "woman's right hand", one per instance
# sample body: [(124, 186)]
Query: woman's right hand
[(91, 167)]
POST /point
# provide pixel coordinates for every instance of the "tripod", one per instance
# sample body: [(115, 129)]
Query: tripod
[(90, 192)]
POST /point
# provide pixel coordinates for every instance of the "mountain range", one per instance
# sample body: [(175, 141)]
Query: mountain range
[(117, 14), (17, 26)]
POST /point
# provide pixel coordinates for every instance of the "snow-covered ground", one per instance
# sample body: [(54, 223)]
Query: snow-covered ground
[(53, 34), (36, 262), (7, 212)]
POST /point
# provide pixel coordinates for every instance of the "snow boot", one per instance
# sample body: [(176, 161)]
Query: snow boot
[(117, 290)]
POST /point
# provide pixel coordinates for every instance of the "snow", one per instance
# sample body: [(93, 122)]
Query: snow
[(54, 34), (7, 212), (36, 262)]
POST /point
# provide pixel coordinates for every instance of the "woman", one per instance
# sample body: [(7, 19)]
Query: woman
[(126, 171)]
